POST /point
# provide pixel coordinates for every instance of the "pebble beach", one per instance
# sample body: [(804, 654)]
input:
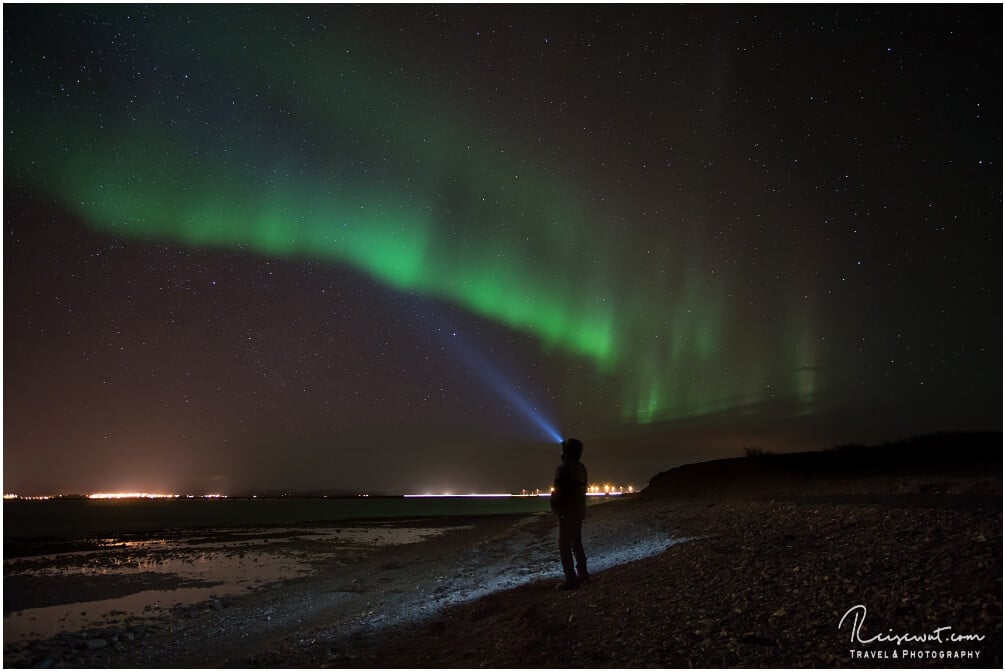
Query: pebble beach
[(749, 581)]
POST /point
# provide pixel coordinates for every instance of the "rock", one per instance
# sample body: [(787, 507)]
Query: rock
[(128, 636), (94, 644)]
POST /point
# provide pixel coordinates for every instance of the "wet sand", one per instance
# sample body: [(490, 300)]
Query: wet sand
[(678, 582), (112, 591), (213, 597)]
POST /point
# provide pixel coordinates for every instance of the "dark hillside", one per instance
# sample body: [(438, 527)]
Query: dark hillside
[(977, 456)]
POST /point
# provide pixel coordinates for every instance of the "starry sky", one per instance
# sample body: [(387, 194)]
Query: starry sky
[(399, 248)]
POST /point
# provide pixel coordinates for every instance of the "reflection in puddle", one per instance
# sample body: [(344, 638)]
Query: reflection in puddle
[(226, 574), (46, 622), (226, 563)]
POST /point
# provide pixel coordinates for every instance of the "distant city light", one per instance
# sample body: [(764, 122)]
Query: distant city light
[(470, 494), (592, 490), (131, 495), (606, 490), (149, 495)]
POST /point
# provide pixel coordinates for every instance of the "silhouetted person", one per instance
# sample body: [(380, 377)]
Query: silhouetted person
[(569, 502)]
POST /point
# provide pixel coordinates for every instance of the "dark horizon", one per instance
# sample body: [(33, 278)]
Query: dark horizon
[(394, 248), (951, 454)]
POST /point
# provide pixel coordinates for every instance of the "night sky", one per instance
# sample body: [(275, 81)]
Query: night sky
[(388, 247)]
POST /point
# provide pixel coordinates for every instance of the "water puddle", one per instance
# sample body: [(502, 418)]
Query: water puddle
[(222, 575), (159, 574), (46, 622)]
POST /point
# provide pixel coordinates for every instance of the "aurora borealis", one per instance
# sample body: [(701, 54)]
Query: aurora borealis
[(720, 223)]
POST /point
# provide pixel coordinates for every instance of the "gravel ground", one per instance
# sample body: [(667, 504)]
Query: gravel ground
[(766, 584), (677, 583)]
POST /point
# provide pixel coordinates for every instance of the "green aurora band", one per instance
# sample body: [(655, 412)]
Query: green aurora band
[(209, 146)]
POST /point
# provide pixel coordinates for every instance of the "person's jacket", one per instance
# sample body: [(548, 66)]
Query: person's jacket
[(569, 493)]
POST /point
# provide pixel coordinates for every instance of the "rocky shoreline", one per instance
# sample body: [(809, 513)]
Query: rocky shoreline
[(753, 581), (762, 583)]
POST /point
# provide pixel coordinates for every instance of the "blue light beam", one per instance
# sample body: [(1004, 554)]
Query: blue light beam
[(485, 369)]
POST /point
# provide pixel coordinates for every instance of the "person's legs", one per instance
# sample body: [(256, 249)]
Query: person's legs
[(576, 548), (567, 532)]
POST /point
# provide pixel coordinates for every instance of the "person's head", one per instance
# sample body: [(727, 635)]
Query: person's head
[(572, 449)]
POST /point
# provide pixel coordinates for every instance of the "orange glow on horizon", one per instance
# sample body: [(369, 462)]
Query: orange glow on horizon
[(149, 495), (131, 495), (593, 490)]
